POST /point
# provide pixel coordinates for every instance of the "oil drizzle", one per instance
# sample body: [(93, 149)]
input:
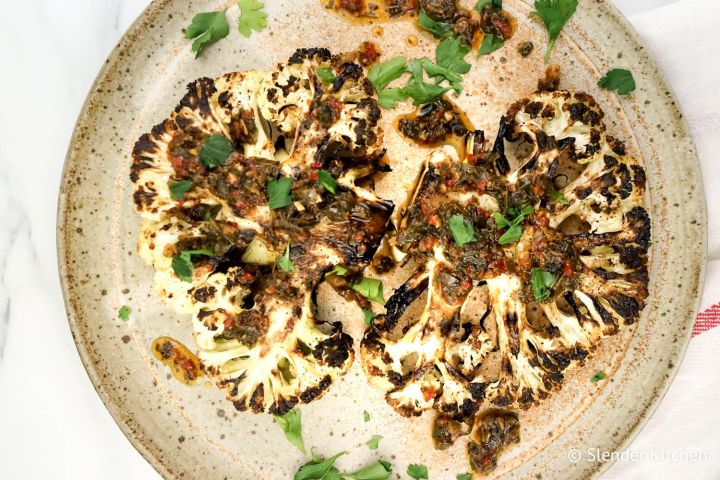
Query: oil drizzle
[(184, 365)]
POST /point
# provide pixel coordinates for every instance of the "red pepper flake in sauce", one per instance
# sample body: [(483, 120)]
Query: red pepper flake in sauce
[(368, 53), (184, 365)]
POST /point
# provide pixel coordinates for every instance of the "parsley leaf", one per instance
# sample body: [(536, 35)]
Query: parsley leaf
[(480, 5), (366, 416), (338, 270), (417, 88), (325, 74), (489, 44), (284, 261), (291, 425), (417, 471), (124, 313), (368, 315), (382, 74), (377, 471), (278, 192), (618, 79), (514, 228), (374, 442), (450, 63), (371, 289), (207, 28), (463, 476), (599, 375), (183, 265), (437, 29), (215, 151), (554, 14), (327, 180), (541, 282), (252, 17), (317, 469), (390, 97), (179, 189), (462, 230), (558, 197)]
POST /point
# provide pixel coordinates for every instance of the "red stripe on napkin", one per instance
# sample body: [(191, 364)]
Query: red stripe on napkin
[(707, 319)]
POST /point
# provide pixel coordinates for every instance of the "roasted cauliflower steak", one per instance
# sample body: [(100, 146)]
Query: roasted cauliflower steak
[(255, 323), (554, 258)]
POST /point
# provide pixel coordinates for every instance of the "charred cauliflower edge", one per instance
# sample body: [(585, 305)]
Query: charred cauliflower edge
[(255, 324), (590, 237)]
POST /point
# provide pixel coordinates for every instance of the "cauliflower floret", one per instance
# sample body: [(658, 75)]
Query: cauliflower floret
[(217, 245)]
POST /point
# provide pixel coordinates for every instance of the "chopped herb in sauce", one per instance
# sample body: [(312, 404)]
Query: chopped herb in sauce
[(327, 181), (183, 265), (368, 315), (284, 261)]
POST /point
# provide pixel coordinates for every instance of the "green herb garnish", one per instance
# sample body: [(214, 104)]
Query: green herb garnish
[(381, 75), (183, 265), (252, 17), (371, 289), (462, 230), (284, 261), (215, 151), (124, 313), (366, 416), (463, 476), (558, 197), (554, 14), (368, 315), (374, 442), (490, 44), (291, 425), (179, 189), (449, 63), (514, 226), (327, 181), (278, 192), (480, 5), (437, 29), (338, 270), (599, 375), (325, 74), (317, 469), (417, 471), (418, 89), (542, 282), (618, 79), (206, 29)]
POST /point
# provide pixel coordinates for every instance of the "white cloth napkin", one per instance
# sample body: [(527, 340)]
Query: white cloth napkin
[(682, 439)]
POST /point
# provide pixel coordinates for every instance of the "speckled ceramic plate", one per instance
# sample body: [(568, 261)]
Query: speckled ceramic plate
[(192, 432)]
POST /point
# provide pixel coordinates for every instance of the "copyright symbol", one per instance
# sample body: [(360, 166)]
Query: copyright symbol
[(574, 455)]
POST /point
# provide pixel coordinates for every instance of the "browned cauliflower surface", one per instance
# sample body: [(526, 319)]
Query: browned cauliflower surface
[(548, 240)]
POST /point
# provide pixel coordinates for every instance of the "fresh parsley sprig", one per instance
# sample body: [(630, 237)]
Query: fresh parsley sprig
[(215, 151), (554, 14), (382, 74), (284, 261), (207, 28), (252, 17), (278, 192), (183, 265), (179, 189), (318, 469), (370, 288), (514, 226), (618, 79), (541, 282), (418, 472), (437, 29), (489, 44), (291, 425), (461, 230)]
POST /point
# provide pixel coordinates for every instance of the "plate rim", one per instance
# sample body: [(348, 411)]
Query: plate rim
[(114, 408)]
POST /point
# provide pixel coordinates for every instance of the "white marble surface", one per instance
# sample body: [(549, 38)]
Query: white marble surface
[(52, 424)]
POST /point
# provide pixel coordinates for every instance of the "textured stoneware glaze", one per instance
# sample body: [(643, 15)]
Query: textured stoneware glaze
[(192, 432)]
